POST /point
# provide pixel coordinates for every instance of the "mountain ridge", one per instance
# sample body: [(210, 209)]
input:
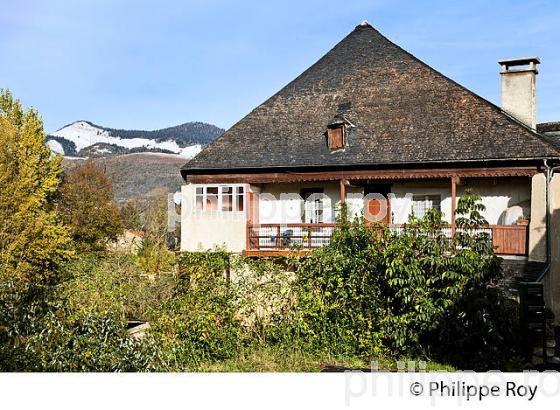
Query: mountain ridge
[(210, 132), (84, 138)]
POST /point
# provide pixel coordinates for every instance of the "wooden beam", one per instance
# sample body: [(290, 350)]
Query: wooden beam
[(250, 198), (389, 219), (342, 192), (376, 174), (453, 202), (249, 210)]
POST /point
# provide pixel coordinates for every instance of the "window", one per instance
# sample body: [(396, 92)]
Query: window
[(224, 198), (421, 204), (335, 137), (199, 199), (239, 195), (313, 206), (227, 198), (211, 199)]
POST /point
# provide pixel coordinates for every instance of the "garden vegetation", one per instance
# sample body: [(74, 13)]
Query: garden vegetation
[(66, 297)]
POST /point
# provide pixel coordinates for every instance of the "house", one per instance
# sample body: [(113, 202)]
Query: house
[(372, 126)]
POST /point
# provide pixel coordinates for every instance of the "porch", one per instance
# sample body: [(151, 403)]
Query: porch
[(269, 214), (279, 239)]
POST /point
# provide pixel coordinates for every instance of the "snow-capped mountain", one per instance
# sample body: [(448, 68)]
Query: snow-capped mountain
[(85, 139)]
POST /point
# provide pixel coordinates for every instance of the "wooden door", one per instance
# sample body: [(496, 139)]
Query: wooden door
[(377, 209)]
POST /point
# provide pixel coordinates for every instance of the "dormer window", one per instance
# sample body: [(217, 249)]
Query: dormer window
[(336, 136), (337, 132)]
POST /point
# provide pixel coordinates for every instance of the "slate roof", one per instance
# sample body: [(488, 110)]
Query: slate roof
[(545, 127), (403, 111), (551, 130)]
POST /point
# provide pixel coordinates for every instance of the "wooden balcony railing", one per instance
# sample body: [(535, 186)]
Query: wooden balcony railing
[(510, 239), (281, 238)]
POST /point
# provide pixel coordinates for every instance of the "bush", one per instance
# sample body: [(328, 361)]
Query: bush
[(338, 292), (198, 323), (114, 283), (154, 254), (98, 343), (374, 292), (223, 305), (480, 332), (85, 326)]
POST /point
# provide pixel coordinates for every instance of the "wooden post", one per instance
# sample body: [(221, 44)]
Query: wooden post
[(453, 202), (388, 217), (342, 192), (248, 238), (249, 210), (249, 207), (278, 242)]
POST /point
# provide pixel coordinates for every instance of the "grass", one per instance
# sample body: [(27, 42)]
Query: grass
[(275, 359)]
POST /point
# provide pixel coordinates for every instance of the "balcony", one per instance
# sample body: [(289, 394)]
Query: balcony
[(279, 239)]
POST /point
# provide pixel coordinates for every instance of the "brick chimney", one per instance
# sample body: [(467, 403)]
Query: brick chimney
[(519, 89)]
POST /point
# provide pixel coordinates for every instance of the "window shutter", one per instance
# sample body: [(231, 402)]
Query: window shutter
[(335, 138)]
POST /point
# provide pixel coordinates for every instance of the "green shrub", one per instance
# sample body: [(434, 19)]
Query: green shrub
[(480, 332), (154, 255), (223, 305), (113, 283), (374, 292), (98, 343), (338, 292), (199, 322)]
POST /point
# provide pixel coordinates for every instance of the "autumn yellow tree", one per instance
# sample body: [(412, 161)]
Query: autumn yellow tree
[(86, 206), (33, 242)]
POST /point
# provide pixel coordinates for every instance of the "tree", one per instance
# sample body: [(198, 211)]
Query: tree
[(33, 242), (480, 330), (154, 253), (86, 206)]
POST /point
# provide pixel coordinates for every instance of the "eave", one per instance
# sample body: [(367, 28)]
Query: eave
[(364, 174)]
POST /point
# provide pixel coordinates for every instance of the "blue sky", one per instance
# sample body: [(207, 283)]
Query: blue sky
[(152, 64)]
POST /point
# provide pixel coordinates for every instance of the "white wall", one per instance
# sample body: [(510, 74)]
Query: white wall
[(537, 225), (206, 230), (401, 204), (282, 203), (498, 195), (552, 279), (501, 195)]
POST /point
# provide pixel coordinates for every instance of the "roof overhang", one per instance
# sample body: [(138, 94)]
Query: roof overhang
[(377, 174)]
